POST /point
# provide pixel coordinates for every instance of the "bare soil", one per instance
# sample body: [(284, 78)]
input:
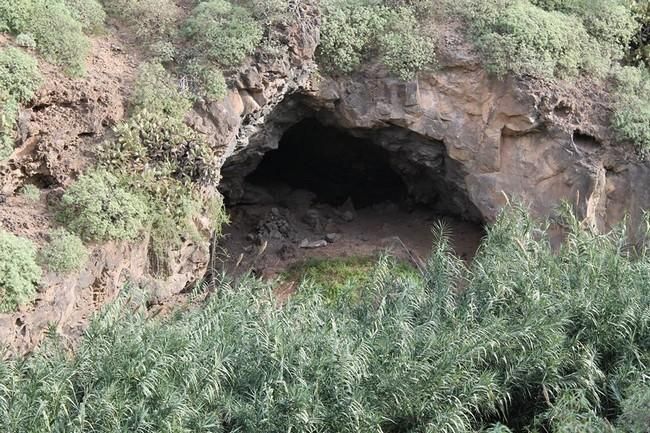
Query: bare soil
[(267, 238)]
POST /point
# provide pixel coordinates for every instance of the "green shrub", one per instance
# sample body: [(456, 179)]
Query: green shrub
[(525, 39), (210, 81), (526, 338), (175, 208), (222, 33), (19, 79), (64, 253), (631, 119), (156, 92), (402, 32), (548, 37), (98, 208), (163, 51), (164, 147), (269, 11), (639, 52), (352, 33), (89, 13), (30, 192), (19, 273), (19, 75), (58, 35), (152, 20)]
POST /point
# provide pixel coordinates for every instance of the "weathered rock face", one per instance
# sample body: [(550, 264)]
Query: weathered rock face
[(469, 141)]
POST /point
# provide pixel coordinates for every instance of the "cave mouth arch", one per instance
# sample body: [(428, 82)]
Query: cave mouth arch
[(304, 186), (333, 164)]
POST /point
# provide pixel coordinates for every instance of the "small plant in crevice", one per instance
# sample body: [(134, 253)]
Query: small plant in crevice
[(30, 192), (64, 253), (98, 207), (19, 272)]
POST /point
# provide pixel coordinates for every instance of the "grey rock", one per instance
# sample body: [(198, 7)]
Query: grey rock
[(314, 244), (332, 237), (348, 216)]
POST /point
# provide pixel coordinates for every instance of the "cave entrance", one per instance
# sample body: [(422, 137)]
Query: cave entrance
[(310, 190), (332, 164)]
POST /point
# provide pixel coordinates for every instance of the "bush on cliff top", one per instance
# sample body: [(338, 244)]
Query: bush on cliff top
[(351, 33), (525, 339), (222, 33)]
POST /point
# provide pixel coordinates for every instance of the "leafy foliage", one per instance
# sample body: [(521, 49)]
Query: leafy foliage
[(30, 192), (269, 11), (52, 25), (98, 208), (89, 13), (163, 146), (631, 118), (19, 273), (64, 253), (549, 38), (156, 91), (353, 31), (640, 44), (152, 20), (19, 76), (222, 32), (210, 81), (528, 337), (19, 79)]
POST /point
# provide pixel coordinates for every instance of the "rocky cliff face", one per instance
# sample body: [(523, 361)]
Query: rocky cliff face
[(463, 139)]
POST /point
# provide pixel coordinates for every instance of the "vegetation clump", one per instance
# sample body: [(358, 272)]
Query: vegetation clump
[(152, 20), (64, 253), (631, 118), (30, 192), (89, 13), (223, 33), (548, 38), (156, 91), (19, 272), (98, 208), (524, 339), (352, 32), (52, 25), (19, 79)]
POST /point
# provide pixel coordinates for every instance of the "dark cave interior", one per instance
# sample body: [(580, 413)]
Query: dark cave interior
[(332, 164)]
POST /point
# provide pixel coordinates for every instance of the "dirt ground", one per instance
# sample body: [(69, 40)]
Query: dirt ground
[(267, 237)]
